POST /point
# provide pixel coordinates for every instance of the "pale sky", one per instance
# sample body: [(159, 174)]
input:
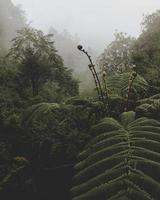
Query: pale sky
[(94, 21)]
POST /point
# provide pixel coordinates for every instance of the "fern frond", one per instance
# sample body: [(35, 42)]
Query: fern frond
[(118, 84), (149, 107), (122, 161)]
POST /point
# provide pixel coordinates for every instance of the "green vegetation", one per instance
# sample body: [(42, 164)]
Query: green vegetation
[(46, 127)]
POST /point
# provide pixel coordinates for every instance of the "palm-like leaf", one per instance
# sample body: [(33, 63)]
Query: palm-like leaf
[(149, 100), (149, 107), (121, 162), (37, 110), (59, 113), (66, 125)]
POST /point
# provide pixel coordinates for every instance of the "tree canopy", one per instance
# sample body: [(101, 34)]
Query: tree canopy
[(146, 49), (39, 62), (117, 56)]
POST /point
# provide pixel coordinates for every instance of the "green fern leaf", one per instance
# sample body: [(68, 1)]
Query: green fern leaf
[(118, 84), (122, 161)]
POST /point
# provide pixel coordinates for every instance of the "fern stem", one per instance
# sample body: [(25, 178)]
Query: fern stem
[(96, 78), (132, 77)]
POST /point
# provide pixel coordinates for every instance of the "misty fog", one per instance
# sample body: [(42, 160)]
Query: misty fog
[(93, 20), (91, 23)]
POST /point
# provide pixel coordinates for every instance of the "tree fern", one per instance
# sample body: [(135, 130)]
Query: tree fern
[(74, 109), (117, 88), (38, 109), (122, 161), (65, 125)]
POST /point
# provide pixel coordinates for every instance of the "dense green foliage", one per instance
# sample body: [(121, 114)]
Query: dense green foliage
[(45, 124), (65, 125), (50, 137), (31, 73)]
